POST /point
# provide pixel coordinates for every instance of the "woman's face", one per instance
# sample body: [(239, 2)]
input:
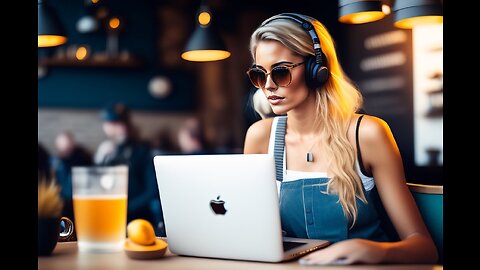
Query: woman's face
[(270, 54)]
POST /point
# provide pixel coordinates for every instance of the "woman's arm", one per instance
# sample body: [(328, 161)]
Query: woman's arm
[(258, 136), (381, 156)]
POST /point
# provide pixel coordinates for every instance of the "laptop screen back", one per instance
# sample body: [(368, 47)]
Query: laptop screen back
[(221, 206)]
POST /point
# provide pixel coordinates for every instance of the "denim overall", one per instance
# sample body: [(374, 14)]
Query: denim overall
[(307, 211)]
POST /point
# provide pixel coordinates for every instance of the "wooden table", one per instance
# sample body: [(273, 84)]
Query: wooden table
[(66, 256)]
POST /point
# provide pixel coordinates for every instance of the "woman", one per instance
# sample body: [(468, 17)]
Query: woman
[(338, 177)]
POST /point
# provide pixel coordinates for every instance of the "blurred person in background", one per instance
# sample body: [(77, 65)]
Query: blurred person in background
[(257, 107), (43, 163), (124, 147), (261, 104), (161, 143), (68, 153), (191, 138)]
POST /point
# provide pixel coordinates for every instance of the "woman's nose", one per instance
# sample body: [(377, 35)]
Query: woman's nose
[(270, 84)]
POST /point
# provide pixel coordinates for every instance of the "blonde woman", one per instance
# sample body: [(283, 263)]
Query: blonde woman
[(339, 173)]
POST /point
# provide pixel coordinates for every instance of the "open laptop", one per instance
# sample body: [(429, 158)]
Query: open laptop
[(225, 206)]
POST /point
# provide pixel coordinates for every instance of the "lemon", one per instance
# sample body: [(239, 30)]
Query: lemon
[(140, 231)]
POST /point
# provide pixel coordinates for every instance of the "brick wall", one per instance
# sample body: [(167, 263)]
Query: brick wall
[(86, 125)]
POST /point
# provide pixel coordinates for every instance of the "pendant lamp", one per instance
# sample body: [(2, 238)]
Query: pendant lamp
[(359, 11), (409, 13), (50, 30), (205, 44)]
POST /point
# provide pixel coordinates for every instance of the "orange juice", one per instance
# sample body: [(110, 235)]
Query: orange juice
[(100, 221)]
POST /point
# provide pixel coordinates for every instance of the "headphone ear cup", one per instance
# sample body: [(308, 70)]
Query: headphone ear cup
[(315, 74), (309, 72), (321, 74)]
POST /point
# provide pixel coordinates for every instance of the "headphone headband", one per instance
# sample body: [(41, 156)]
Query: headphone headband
[(307, 26), (316, 71)]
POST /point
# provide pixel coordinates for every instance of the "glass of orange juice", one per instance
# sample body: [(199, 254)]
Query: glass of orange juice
[(100, 207)]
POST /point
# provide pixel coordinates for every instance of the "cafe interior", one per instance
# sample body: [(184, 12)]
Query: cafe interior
[(173, 74)]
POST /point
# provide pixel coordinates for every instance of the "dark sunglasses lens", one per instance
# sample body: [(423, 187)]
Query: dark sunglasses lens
[(281, 76), (257, 77)]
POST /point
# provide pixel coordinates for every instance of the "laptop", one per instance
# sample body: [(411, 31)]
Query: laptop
[(225, 206)]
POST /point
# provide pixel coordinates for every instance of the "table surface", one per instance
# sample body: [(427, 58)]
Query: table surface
[(66, 256)]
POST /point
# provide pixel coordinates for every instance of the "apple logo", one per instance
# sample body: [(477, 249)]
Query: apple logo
[(218, 206)]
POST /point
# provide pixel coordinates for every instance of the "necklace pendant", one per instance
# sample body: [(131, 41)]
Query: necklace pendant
[(309, 157)]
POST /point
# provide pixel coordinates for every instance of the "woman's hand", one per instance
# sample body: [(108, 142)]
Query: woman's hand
[(348, 252)]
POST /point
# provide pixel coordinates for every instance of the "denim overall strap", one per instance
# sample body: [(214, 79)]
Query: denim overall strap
[(309, 210), (279, 146)]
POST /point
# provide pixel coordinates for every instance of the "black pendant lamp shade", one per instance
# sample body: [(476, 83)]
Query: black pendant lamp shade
[(50, 30), (409, 13), (359, 11), (205, 44)]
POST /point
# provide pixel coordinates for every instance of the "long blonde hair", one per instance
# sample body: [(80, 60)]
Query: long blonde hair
[(336, 103)]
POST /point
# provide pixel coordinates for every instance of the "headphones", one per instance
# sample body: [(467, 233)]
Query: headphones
[(316, 71)]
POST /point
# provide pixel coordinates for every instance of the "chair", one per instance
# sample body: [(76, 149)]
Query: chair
[(429, 199)]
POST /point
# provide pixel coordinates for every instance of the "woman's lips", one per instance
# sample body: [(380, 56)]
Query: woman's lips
[(275, 100)]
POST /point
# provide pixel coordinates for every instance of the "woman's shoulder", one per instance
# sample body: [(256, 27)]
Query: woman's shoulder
[(258, 136), (261, 129), (372, 128)]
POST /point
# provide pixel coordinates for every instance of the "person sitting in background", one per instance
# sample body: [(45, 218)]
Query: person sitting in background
[(162, 144), (125, 148), (68, 153), (191, 138), (261, 105), (43, 164), (104, 148)]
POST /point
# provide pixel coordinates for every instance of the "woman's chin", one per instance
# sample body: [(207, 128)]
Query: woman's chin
[(279, 110)]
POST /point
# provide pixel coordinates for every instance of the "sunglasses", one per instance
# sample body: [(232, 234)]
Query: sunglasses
[(280, 75)]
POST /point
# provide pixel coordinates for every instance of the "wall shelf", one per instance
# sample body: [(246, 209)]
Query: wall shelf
[(130, 62)]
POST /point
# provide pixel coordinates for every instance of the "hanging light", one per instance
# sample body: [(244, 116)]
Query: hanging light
[(205, 44), (415, 12), (360, 11), (50, 30)]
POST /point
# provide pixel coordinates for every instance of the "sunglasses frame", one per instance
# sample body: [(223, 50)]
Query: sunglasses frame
[(287, 66)]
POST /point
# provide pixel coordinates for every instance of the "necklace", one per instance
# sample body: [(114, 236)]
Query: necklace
[(310, 154)]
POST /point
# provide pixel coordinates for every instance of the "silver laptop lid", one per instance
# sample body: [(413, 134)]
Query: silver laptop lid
[(221, 206)]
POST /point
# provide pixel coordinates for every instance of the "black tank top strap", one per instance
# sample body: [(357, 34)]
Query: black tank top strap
[(359, 153)]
